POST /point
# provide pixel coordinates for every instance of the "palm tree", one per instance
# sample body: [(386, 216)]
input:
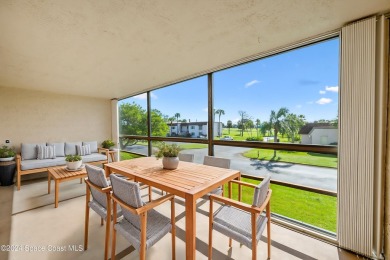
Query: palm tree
[(275, 121), (177, 115), (219, 112), (257, 127), (229, 125), (171, 119)]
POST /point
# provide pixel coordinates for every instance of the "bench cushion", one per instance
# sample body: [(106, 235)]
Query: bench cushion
[(93, 157), (60, 148), (30, 151), (94, 146), (35, 164), (70, 148)]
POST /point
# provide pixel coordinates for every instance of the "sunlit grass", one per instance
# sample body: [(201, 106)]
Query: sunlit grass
[(312, 208), (308, 158)]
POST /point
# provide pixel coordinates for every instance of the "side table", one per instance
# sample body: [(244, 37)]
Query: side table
[(7, 173)]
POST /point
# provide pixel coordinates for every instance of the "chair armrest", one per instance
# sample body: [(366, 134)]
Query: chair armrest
[(244, 183), (139, 211), (18, 160), (155, 203), (234, 203), (103, 150), (99, 189)]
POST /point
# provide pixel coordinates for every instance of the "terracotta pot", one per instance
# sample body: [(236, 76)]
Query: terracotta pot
[(170, 163)]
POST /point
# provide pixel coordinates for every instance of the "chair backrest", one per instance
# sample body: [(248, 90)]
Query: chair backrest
[(97, 176), (261, 192), (216, 162), (186, 157), (129, 192)]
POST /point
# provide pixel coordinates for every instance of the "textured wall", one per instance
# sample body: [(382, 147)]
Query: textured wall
[(34, 116)]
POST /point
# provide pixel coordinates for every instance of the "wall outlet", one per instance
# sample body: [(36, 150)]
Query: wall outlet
[(7, 141)]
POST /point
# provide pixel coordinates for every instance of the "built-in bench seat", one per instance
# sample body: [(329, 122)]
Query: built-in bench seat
[(30, 161)]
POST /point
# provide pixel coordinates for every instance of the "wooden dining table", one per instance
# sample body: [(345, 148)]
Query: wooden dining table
[(189, 181)]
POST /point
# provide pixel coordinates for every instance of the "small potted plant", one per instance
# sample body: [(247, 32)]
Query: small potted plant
[(6, 154), (73, 162), (169, 152), (108, 144)]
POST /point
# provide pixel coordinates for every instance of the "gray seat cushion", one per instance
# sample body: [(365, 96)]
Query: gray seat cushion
[(35, 164), (157, 226), (236, 223), (93, 157), (30, 151), (60, 148)]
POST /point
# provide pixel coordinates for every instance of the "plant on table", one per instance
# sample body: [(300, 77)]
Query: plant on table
[(169, 152), (108, 143), (73, 162), (6, 153)]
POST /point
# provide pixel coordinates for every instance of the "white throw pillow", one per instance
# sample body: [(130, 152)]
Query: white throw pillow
[(46, 152)]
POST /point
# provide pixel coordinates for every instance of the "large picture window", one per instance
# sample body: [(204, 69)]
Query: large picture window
[(277, 115)]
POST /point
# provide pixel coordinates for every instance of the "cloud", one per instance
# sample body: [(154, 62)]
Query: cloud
[(323, 101), (205, 109), (143, 96), (306, 82), (332, 89), (322, 92), (251, 83), (298, 106)]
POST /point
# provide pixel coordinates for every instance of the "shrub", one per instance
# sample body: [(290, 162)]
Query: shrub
[(254, 138), (167, 150), (108, 144), (6, 152), (73, 158)]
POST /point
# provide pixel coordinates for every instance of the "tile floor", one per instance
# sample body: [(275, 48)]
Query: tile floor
[(31, 225)]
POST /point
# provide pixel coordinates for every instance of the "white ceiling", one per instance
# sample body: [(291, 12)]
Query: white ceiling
[(115, 48)]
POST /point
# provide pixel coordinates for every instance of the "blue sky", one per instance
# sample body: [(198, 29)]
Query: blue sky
[(304, 80)]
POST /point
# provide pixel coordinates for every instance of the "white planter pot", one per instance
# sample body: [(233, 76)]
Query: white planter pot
[(170, 163), (7, 159), (73, 165)]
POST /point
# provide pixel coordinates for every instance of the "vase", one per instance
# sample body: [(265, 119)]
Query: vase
[(74, 165), (170, 163)]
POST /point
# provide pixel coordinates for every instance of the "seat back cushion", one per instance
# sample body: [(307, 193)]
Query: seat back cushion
[(60, 148), (70, 148), (261, 192), (216, 162), (94, 146), (186, 157), (97, 176), (30, 151)]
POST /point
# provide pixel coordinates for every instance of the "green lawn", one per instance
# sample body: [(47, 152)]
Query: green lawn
[(309, 207), (236, 134), (309, 158), (192, 146), (128, 156)]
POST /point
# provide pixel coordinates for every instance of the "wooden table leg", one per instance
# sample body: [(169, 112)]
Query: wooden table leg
[(56, 193), (190, 227), (48, 183)]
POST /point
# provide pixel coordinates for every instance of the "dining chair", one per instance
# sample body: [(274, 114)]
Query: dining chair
[(186, 157), (141, 224), (216, 162), (99, 187), (243, 222)]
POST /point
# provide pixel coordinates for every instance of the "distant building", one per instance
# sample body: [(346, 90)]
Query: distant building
[(192, 129), (319, 133)]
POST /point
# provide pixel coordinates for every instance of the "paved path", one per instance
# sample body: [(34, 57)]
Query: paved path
[(312, 176)]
